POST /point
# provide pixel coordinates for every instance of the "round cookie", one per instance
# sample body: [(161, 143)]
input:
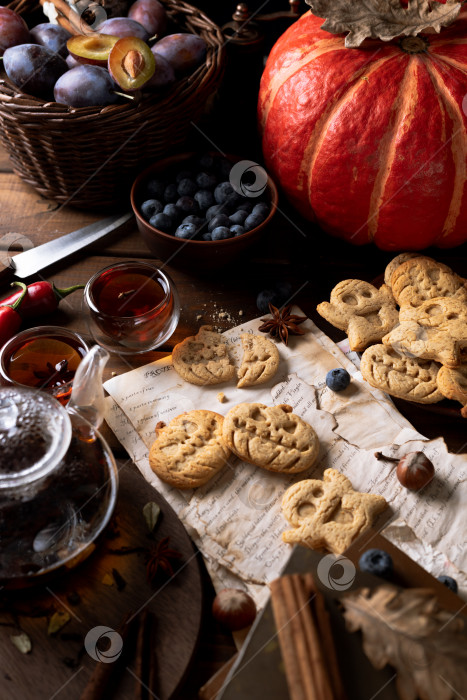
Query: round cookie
[(203, 358), (259, 362), (189, 450), (271, 437), (452, 383)]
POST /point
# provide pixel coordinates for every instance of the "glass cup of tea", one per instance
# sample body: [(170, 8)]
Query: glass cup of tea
[(133, 307), (45, 357)]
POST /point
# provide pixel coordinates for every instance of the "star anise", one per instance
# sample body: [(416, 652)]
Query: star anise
[(160, 556), (55, 376), (282, 323)]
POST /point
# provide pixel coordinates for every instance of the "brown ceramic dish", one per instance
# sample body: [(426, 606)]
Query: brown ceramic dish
[(195, 254)]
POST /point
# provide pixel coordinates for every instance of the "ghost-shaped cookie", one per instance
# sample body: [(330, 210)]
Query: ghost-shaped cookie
[(328, 514), (363, 311)]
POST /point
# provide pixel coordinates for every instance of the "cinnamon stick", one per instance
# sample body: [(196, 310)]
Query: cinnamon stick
[(78, 25), (105, 673), (305, 639), (316, 657), (286, 642), (324, 626), (141, 643)]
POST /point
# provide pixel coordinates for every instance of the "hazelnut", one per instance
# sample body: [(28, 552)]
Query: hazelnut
[(234, 608), (415, 470)]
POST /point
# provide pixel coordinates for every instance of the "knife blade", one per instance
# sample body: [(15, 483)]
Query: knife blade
[(32, 261)]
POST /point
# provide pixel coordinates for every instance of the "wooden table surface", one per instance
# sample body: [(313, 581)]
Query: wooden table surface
[(292, 250)]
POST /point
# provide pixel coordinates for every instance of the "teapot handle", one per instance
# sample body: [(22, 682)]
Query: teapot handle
[(87, 396)]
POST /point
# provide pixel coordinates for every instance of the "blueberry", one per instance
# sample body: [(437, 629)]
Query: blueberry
[(206, 181), (337, 379), (170, 193), (238, 217), (223, 192), (219, 220), (232, 201), (196, 220), (264, 298), (151, 207), (206, 161), (183, 175), (214, 211), (162, 222), (449, 582), (188, 205), (278, 295), (220, 233), (155, 188), (186, 187), (252, 221), (174, 212), (224, 167), (245, 205), (186, 231), (237, 230), (204, 198), (206, 236), (262, 209), (376, 562)]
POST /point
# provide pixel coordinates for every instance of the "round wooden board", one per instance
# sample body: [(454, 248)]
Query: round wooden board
[(177, 608)]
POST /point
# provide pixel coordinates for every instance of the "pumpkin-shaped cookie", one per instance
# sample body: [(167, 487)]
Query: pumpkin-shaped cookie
[(203, 359), (271, 437), (189, 450)]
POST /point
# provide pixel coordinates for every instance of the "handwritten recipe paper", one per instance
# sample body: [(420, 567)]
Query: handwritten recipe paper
[(235, 519)]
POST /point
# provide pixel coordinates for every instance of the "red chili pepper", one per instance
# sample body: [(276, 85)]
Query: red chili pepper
[(41, 298), (10, 320)]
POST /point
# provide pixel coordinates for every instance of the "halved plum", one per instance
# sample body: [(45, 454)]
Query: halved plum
[(131, 63), (94, 48)]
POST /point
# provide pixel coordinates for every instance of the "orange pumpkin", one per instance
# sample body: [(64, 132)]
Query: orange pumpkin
[(371, 142)]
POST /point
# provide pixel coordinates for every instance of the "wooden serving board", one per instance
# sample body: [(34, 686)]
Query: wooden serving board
[(58, 666)]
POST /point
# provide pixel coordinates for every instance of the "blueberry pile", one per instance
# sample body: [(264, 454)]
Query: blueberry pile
[(198, 202)]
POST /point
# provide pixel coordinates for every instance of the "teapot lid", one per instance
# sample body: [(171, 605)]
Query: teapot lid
[(35, 433)]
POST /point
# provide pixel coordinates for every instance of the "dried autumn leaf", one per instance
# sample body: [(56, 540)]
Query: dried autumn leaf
[(22, 642), (426, 645), (383, 19), (58, 620), (151, 512)]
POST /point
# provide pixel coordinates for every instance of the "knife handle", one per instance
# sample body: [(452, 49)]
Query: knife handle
[(6, 272)]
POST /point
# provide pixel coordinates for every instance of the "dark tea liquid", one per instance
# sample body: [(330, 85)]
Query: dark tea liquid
[(47, 363), (127, 294)]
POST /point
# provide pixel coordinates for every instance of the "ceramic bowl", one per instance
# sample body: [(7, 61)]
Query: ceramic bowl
[(196, 255)]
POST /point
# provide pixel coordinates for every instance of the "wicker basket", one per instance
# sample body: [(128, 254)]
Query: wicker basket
[(87, 157)]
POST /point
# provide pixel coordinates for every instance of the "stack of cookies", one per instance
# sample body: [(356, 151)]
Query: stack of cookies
[(412, 331)]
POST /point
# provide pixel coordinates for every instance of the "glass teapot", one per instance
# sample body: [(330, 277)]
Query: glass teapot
[(58, 478)]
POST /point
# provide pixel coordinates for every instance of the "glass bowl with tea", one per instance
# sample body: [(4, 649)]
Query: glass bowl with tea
[(132, 307)]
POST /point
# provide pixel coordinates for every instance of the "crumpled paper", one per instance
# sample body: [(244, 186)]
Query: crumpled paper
[(235, 519)]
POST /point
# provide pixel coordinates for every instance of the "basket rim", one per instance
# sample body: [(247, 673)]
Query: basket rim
[(15, 104)]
